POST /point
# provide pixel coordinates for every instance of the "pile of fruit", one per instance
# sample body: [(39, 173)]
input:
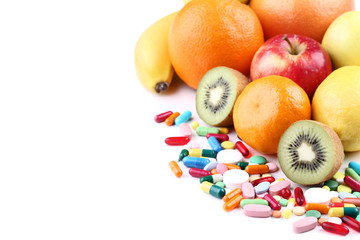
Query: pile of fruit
[(284, 74)]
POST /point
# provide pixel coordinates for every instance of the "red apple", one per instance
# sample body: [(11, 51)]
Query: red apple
[(297, 57)]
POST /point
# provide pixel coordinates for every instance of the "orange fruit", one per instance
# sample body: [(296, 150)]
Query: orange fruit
[(211, 33), (266, 108), (310, 18)]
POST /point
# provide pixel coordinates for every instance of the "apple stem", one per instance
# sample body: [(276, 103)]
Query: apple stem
[(285, 37)]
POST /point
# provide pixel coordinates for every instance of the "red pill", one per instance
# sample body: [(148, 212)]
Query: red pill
[(161, 117), (335, 228), (199, 173), (337, 204), (355, 201), (351, 222), (177, 141), (285, 193), (220, 137), (299, 196), (242, 148), (275, 205), (263, 179), (355, 185)]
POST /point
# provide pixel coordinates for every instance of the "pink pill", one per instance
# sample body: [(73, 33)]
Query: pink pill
[(276, 188), (248, 190), (305, 224), (185, 130), (255, 210), (193, 144), (272, 167), (221, 168)]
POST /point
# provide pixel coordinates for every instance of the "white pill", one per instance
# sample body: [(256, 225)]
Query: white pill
[(335, 220), (234, 178), (231, 156), (210, 166), (317, 195)]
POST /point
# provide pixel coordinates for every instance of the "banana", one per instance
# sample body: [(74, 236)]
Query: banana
[(152, 61)]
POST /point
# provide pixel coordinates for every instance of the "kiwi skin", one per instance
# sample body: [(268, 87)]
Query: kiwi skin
[(241, 82), (338, 148)]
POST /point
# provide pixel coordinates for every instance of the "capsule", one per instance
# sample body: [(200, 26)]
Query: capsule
[(242, 148), (341, 204), (355, 166), (214, 144), (335, 228), (198, 173), (171, 119), (212, 178), (285, 193), (202, 153), (233, 193), (263, 179), (203, 131), (232, 166), (177, 141), (233, 203), (322, 208), (257, 169), (184, 117), (355, 185), (220, 137), (355, 201), (351, 222), (350, 172), (275, 205), (195, 162), (254, 201), (175, 169), (242, 165), (213, 189), (343, 211), (183, 153), (161, 117), (299, 196)]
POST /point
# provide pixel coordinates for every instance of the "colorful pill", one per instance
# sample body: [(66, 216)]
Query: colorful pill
[(248, 190), (194, 125), (233, 193), (332, 184), (355, 201), (345, 211), (350, 172), (228, 145), (183, 153), (335, 228), (233, 203), (211, 166), (254, 210), (355, 166), (177, 141), (299, 210), (258, 160), (220, 137), (242, 148), (275, 205), (232, 166), (171, 119), (299, 196), (175, 169), (231, 156), (202, 153), (212, 189), (277, 189), (343, 195), (322, 208), (341, 204), (212, 178), (224, 130), (335, 199), (304, 224), (221, 168), (185, 130), (272, 167), (214, 144), (242, 165), (195, 162), (262, 188), (198, 173), (257, 201), (182, 118), (162, 116), (262, 179), (203, 131), (286, 213), (257, 169), (351, 222), (355, 185)]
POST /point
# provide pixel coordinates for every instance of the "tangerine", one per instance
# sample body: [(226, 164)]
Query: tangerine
[(266, 108), (211, 33)]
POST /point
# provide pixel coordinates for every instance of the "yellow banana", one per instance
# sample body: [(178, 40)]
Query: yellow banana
[(152, 61)]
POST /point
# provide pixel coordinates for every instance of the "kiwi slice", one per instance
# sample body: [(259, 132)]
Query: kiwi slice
[(216, 95), (310, 152)]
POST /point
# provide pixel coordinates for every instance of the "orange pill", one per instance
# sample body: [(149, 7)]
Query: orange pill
[(171, 119), (257, 169), (214, 171), (232, 194), (335, 199), (233, 203), (355, 201), (322, 220), (232, 166), (276, 214), (322, 208), (175, 168)]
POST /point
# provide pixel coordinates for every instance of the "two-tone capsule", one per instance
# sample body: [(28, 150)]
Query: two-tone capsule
[(207, 153), (213, 189), (195, 162), (343, 211), (215, 144), (212, 178)]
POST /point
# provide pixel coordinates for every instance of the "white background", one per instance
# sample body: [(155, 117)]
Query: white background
[(81, 156)]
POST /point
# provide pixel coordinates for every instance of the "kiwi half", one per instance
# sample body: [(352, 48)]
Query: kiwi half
[(310, 152), (216, 95)]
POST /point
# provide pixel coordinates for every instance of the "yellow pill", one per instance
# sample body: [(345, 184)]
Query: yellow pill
[(292, 200), (254, 177), (277, 197), (194, 125), (326, 187), (266, 175), (195, 152), (349, 205), (344, 188), (339, 177), (286, 213), (299, 211), (280, 179), (224, 130), (228, 145), (336, 212)]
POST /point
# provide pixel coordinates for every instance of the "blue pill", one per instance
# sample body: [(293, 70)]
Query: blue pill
[(214, 144), (262, 187), (355, 166), (210, 166), (343, 195), (184, 117), (195, 162)]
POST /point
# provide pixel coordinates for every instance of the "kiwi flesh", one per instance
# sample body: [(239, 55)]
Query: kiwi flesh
[(310, 152), (216, 95)]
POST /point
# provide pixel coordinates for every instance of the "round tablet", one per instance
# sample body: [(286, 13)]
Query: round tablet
[(234, 178), (317, 195), (230, 156)]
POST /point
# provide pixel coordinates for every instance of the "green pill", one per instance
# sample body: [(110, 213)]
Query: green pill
[(183, 153), (283, 202), (209, 153), (254, 201), (357, 194), (220, 184), (242, 165), (258, 160), (332, 184), (313, 213), (350, 172), (203, 131)]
